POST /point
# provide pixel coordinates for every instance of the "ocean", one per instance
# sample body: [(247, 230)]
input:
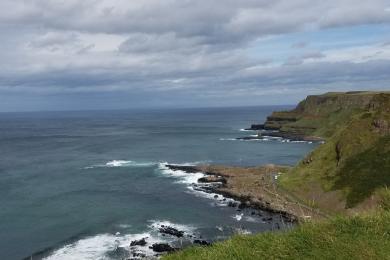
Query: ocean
[(80, 185)]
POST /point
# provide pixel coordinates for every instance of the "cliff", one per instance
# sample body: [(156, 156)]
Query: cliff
[(319, 116), (350, 172)]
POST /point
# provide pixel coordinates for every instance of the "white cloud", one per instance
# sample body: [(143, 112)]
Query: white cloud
[(176, 45)]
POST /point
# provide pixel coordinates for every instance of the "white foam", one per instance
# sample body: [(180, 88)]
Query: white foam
[(192, 178), (156, 224), (122, 163), (238, 217), (220, 200), (96, 247), (182, 176), (227, 139), (246, 130)]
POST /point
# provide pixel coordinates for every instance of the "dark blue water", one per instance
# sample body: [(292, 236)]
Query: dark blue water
[(70, 180)]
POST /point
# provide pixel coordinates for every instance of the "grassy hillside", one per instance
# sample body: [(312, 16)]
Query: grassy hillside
[(321, 115), (340, 238), (345, 174)]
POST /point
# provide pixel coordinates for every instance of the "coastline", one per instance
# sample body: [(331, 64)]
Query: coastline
[(252, 187)]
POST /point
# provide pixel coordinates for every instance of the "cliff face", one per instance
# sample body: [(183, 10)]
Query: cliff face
[(320, 115), (323, 105), (348, 172)]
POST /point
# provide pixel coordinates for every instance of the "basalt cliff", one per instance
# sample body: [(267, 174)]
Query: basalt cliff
[(350, 172)]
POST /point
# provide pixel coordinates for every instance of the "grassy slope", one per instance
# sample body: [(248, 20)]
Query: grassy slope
[(340, 238), (350, 167), (321, 115)]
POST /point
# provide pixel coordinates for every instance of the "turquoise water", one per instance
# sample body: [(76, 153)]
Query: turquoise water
[(75, 185)]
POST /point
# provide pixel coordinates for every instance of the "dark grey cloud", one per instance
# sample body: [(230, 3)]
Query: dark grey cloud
[(197, 50)]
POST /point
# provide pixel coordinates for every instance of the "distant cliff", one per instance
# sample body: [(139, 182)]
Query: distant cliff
[(319, 116), (351, 171)]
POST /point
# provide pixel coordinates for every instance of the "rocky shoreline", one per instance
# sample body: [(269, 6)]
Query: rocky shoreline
[(160, 248), (265, 132), (252, 187)]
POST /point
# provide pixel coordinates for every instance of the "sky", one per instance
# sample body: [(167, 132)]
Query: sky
[(121, 54)]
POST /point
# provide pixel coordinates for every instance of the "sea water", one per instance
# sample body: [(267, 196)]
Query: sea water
[(79, 185)]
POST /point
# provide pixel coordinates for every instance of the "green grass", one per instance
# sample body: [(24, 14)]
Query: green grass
[(360, 237), (365, 172), (354, 160)]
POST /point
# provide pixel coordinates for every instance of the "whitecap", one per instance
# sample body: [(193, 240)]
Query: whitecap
[(246, 130), (238, 217), (181, 176), (216, 198), (227, 139), (122, 163), (96, 247), (190, 179), (156, 224)]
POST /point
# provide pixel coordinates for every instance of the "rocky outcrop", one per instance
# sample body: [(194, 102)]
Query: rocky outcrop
[(162, 247), (381, 126), (252, 187), (171, 231), (255, 127), (317, 116), (212, 179), (141, 242)]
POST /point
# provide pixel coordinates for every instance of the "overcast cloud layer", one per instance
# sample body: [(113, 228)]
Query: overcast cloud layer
[(95, 54)]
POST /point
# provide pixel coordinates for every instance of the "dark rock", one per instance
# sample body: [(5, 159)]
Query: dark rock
[(277, 226), (244, 205), (171, 231), (246, 138), (188, 169), (140, 242), (211, 179), (201, 242), (138, 255), (256, 127), (215, 196), (162, 247), (232, 204)]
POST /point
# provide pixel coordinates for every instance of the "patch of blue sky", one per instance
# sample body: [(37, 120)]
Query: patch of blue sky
[(278, 48)]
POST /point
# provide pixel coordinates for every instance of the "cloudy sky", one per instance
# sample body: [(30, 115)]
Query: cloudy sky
[(104, 54)]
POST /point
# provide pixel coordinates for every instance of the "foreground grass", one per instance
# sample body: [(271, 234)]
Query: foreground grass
[(362, 237)]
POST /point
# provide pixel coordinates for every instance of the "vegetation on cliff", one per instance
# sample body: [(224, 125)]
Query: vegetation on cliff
[(322, 115), (359, 237), (348, 172)]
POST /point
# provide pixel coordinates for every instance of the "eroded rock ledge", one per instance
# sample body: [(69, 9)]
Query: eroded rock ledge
[(254, 187)]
